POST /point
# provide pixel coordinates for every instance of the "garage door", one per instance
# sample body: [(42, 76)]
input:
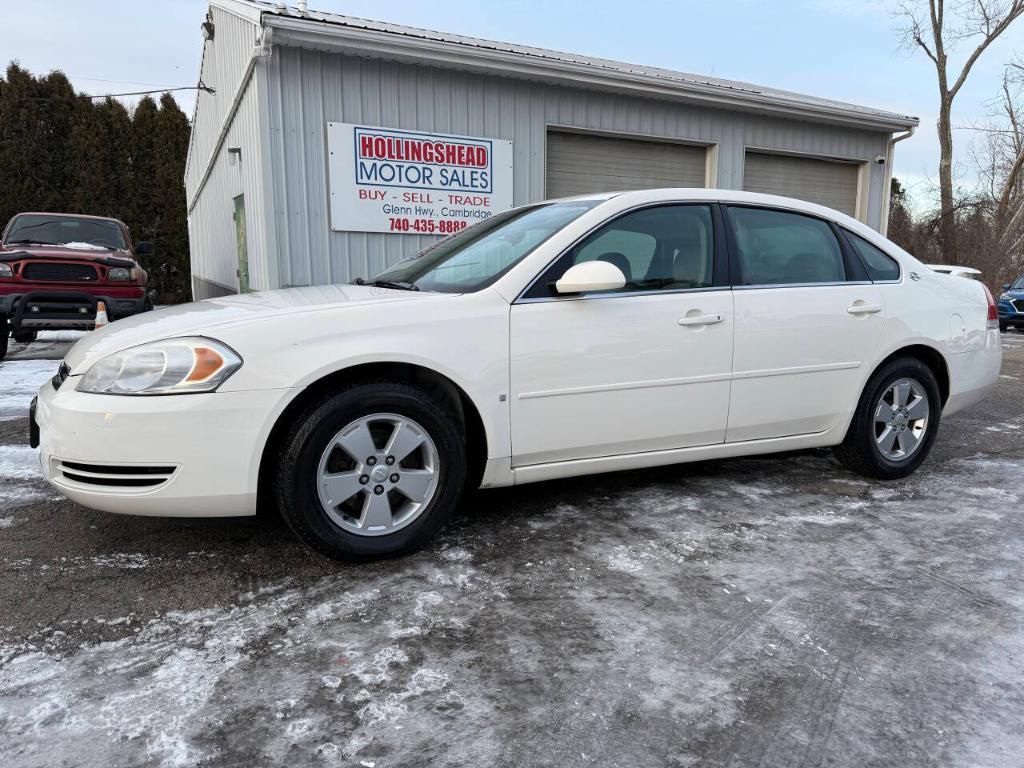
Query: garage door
[(578, 164), (825, 182)]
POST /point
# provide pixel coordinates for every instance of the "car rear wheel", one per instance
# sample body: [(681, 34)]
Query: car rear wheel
[(894, 426), (371, 471)]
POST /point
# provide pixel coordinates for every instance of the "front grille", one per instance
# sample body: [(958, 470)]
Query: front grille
[(116, 476), (1018, 304), (59, 273)]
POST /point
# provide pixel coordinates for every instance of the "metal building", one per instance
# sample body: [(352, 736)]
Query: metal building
[(334, 146)]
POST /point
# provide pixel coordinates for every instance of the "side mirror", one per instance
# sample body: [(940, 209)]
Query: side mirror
[(589, 276), (144, 249), (1006, 286)]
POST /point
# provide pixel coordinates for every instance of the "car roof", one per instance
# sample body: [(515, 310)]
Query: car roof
[(67, 215), (735, 196)]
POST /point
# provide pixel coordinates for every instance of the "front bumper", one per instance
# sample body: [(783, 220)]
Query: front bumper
[(177, 456), (1008, 312), (68, 309)]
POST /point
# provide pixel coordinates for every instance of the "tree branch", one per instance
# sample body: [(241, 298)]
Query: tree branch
[(1015, 11)]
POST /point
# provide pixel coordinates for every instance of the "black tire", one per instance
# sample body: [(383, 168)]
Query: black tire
[(1003, 326), (25, 337), (859, 452), (295, 481), (4, 333)]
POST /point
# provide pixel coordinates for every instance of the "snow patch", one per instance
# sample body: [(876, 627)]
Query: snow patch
[(81, 246), (20, 381), (19, 462), (624, 561)]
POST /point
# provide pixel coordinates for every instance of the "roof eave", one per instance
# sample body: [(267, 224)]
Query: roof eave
[(310, 33)]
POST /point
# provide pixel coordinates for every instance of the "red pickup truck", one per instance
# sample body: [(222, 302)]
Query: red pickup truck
[(56, 267)]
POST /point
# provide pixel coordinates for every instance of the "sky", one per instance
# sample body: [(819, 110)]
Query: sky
[(841, 50)]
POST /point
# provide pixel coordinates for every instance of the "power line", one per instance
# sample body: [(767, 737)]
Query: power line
[(200, 87), (104, 80)]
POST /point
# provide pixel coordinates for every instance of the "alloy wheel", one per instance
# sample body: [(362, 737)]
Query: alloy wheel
[(901, 419), (378, 474)]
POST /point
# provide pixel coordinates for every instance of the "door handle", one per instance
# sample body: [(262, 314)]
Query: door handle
[(864, 309), (701, 320)]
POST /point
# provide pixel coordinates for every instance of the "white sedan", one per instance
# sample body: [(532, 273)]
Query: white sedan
[(592, 334)]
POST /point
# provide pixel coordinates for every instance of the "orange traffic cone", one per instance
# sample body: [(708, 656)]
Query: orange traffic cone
[(101, 315)]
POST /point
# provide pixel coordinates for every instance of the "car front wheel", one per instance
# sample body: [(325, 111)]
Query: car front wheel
[(894, 426), (371, 471)]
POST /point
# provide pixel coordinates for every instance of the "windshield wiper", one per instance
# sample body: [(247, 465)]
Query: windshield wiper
[(26, 242), (400, 285)]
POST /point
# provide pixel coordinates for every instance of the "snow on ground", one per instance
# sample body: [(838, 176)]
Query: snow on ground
[(664, 612), (19, 462), (60, 336), (20, 381), (21, 481)]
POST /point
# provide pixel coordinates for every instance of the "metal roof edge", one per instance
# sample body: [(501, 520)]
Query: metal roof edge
[(498, 58), (246, 10)]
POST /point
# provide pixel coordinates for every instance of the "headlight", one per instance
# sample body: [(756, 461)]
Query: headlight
[(1004, 297), (121, 273), (6, 271), (173, 366)]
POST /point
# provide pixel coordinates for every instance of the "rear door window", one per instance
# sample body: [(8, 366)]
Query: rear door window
[(880, 265), (784, 248)]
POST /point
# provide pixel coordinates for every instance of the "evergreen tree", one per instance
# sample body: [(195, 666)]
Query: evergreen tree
[(64, 152), (36, 116), (172, 137)]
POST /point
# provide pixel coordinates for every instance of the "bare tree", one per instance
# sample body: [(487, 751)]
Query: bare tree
[(990, 222), (1008, 171), (930, 28)]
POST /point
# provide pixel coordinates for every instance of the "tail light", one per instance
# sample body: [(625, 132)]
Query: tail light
[(993, 311)]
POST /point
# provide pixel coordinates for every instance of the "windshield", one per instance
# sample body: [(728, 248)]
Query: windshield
[(33, 229), (1019, 285), (479, 255)]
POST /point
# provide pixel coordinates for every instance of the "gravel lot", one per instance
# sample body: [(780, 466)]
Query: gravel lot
[(769, 612)]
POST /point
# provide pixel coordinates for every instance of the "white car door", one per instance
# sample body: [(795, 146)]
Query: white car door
[(640, 369), (807, 321)]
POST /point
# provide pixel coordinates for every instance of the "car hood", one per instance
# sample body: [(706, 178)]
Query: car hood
[(66, 253), (1019, 294), (204, 318)]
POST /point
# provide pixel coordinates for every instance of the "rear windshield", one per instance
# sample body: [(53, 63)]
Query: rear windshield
[(37, 229)]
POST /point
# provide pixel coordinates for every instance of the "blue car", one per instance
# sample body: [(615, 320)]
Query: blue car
[(1011, 305)]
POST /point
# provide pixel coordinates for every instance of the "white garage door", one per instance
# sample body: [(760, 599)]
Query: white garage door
[(825, 182), (579, 163)]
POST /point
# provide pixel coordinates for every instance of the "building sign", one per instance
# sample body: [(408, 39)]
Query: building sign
[(385, 180)]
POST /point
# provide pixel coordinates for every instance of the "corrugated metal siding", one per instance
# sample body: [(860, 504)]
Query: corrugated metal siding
[(211, 222), (308, 88), (225, 59)]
